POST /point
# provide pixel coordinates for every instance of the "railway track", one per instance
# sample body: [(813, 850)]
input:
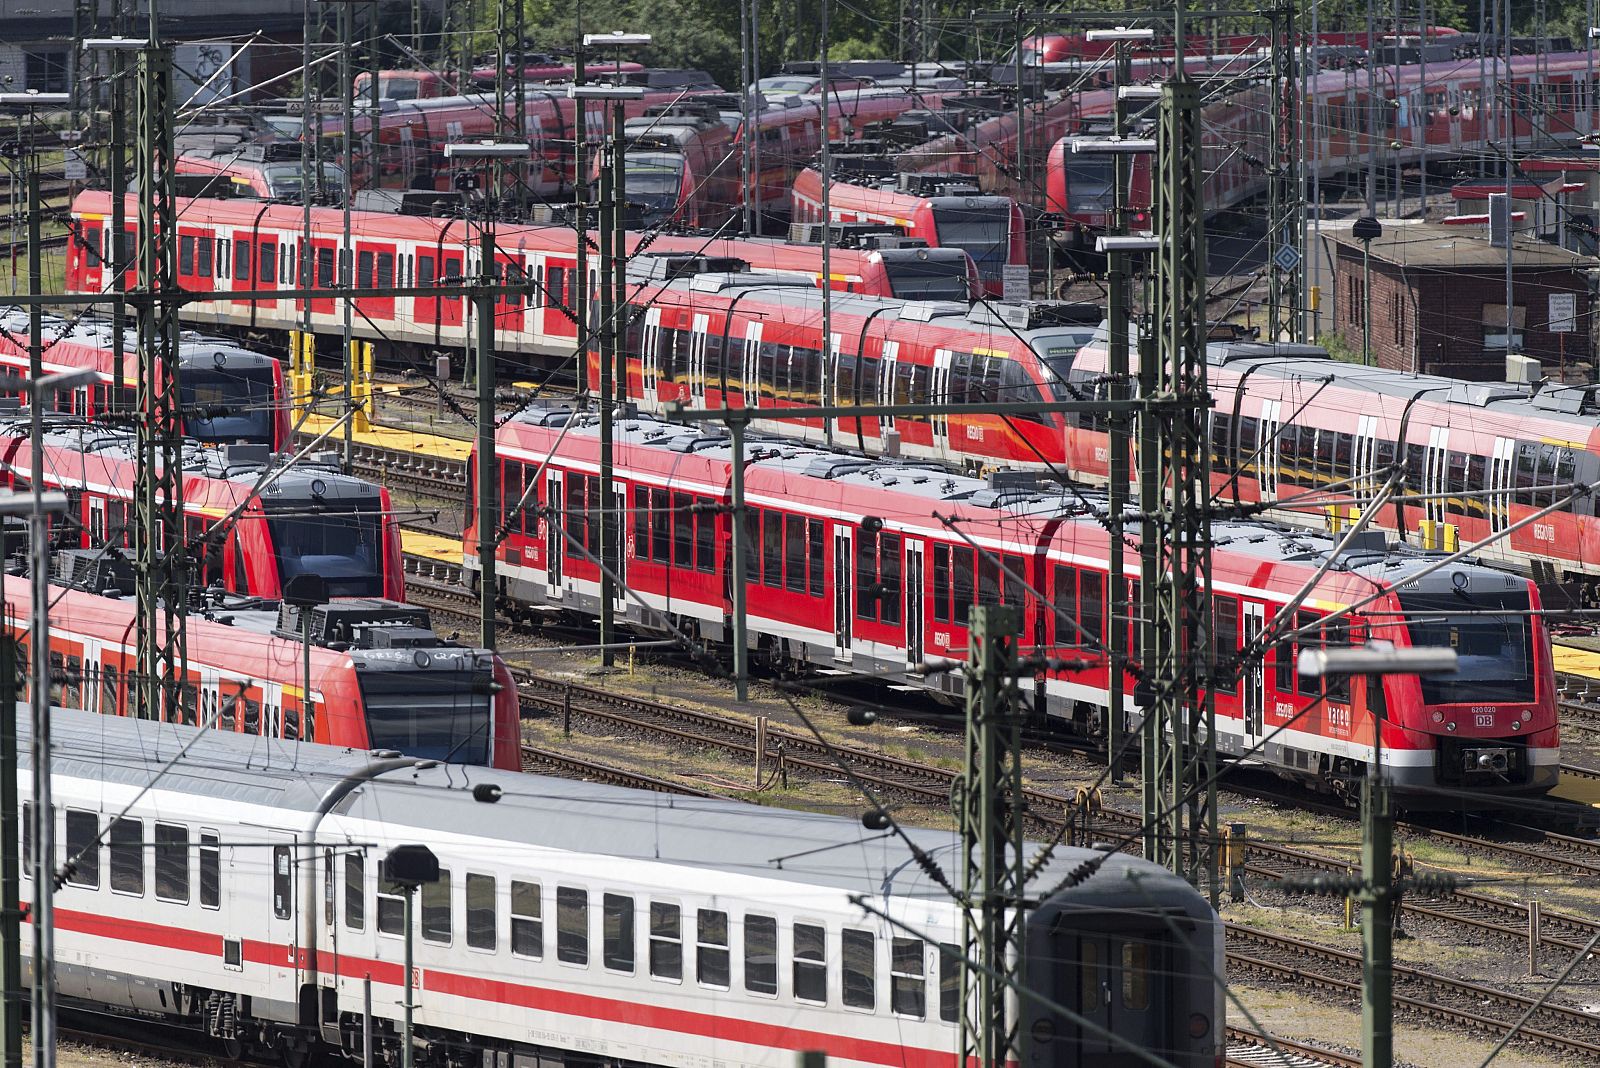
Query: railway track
[(1252, 1049)]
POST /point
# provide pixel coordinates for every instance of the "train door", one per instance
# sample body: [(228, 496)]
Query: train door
[(1253, 697), (283, 937), (616, 542), (327, 944), (210, 697), (941, 395), (553, 547), (1122, 986), (1365, 473), (650, 360), (318, 270), (1267, 450), (699, 336), (375, 270), (843, 574), (752, 365), (886, 370), (914, 619), (1435, 466), (1501, 481)]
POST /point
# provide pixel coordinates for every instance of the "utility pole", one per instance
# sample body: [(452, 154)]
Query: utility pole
[(994, 872), (12, 994), (488, 467), (347, 254), (1179, 736), (162, 569), (1285, 206), (618, 253), (609, 528)]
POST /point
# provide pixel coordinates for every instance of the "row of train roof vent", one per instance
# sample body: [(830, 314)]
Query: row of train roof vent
[(938, 185), (699, 112), (361, 623), (668, 266), (845, 235), (1567, 400), (716, 282)]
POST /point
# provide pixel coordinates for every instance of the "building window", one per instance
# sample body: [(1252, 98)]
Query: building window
[(45, 70)]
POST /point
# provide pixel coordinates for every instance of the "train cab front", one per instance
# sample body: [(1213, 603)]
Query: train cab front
[(1490, 727), (657, 189), (1131, 955), (231, 396), (321, 522)]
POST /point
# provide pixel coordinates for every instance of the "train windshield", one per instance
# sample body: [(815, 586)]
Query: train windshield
[(1089, 183), (654, 180), (984, 232), (341, 540), (283, 182), (229, 406), (1057, 351), (930, 279), (1492, 637), (440, 715)]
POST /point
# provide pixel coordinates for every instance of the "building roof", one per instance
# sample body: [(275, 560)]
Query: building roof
[(1433, 245)]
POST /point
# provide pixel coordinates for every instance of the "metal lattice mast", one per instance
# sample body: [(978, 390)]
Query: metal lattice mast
[(1179, 741), (1285, 203), (158, 470), (991, 838)]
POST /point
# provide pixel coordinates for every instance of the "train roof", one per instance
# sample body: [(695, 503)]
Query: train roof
[(722, 836), (317, 476), (194, 348), (1370, 554)]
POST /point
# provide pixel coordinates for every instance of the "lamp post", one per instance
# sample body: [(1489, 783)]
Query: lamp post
[(1365, 229), (484, 377), (1374, 660), (37, 506), (409, 867), (613, 363)]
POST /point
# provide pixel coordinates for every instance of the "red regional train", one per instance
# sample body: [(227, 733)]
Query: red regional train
[(989, 228), (261, 242), (1438, 111), (304, 518), (370, 688), (681, 166), (231, 395), (860, 566)]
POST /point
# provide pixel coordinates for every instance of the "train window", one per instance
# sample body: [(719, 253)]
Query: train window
[(1092, 607), (988, 579), (108, 690), (1336, 633), (346, 276), (641, 522), (510, 493), (810, 963), (1415, 465), (172, 862), (572, 925), (241, 259), (26, 859), (941, 583), (1343, 455), (1477, 481), (752, 545), (889, 578), (210, 870), (72, 683), (536, 294), (391, 913), (58, 673), (481, 932), (772, 549), (436, 909), (794, 552), (83, 849), (1283, 667), (1324, 471), (705, 537), (949, 982), (682, 531), (1310, 638), (814, 554), (527, 919), (424, 270), (908, 988), (961, 584), (1089, 977), (1224, 643), (186, 254), (252, 716), (1065, 599), (616, 924), (556, 291), (1566, 473), (385, 277), (327, 887), (203, 256), (324, 268), (268, 272), (661, 526), (1455, 479), (283, 883), (666, 941), (1135, 975), (126, 854), (858, 966), (364, 262), (761, 954), (355, 890), (1221, 443), (711, 948)]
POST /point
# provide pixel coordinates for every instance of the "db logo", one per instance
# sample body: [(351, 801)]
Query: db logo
[(1544, 531), (1484, 719)]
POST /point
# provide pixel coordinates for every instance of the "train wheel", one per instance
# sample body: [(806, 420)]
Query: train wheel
[(233, 1049)]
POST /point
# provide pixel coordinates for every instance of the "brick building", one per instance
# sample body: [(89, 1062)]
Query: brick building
[(1438, 302)]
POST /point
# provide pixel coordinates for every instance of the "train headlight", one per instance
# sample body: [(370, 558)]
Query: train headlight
[(1043, 1031), (1438, 717), (1527, 715), (1199, 1025), (318, 487), (421, 658)]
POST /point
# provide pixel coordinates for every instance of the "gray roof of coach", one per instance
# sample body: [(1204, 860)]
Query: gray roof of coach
[(583, 817), (1392, 563), (192, 345)]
